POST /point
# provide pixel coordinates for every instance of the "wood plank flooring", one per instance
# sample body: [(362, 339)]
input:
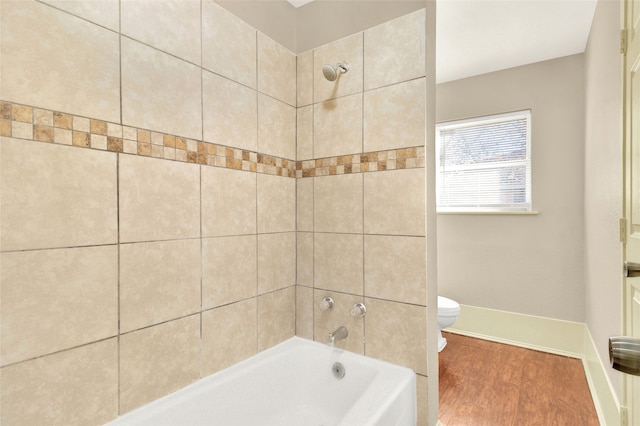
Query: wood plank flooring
[(493, 384)]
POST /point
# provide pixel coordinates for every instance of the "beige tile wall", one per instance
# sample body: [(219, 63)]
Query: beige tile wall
[(236, 341), (168, 248), (395, 51), (53, 203), (71, 286), (337, 125), (172, 348), (172, 85), (172, 26), (276, 127), (276, 70), (222, 258), (75, 387), (348, 50), (147, 232), (276, 261), (221, 29), (232, 113), (159, 282), (361, 194), (33, 74)]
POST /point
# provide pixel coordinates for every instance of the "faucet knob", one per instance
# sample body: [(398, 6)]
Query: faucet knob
[(326, 304), (358, 310)]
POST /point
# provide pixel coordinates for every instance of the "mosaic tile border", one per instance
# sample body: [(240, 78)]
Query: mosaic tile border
[(376, 161), (41, 125), (31, 123)]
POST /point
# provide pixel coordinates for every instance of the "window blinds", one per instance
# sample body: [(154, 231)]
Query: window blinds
[(484, 164)]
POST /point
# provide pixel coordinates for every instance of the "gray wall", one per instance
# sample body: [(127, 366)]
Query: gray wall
[(527, 264), (603, 180)]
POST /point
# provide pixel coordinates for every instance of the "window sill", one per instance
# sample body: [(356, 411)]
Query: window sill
[(499, 213)]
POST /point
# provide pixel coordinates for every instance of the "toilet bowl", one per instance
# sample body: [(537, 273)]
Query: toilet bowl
[(448, 311)]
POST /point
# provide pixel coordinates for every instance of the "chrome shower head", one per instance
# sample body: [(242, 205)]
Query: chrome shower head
[(331, 73)]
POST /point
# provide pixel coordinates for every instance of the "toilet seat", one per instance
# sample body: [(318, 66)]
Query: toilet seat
[(447, 307)]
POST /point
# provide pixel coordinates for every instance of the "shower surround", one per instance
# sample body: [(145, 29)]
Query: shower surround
[(179, 191)]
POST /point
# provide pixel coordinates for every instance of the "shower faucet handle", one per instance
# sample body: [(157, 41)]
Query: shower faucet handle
[(358, 310), (326, 304)]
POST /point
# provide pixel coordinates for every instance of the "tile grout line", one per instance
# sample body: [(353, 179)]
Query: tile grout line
[(362, 118), (313, 200), (119, 270), (295, 188), (202, 69), (257, 263), (201, 279), (118, 199)]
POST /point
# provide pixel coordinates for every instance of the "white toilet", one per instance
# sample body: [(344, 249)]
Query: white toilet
[(448, 311)]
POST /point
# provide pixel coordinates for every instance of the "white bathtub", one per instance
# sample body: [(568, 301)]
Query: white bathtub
[(292, 383)]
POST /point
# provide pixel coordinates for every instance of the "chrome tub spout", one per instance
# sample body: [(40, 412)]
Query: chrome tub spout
[(341, 333)]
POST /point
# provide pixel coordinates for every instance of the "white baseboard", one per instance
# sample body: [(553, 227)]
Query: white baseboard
[(604, 397), (561, 337)]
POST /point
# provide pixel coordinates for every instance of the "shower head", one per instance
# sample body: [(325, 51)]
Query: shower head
[(331, 73)]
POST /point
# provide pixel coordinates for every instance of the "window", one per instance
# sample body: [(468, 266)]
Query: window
[(484, 164)]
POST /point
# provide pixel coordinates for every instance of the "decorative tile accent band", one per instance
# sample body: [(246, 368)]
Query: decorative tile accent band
[(393, 159), (25, 122), (31, 123)]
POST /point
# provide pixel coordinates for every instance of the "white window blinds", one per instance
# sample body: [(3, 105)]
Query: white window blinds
[(484, 164)]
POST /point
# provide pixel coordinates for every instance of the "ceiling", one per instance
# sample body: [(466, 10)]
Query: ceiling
[(480, 36)]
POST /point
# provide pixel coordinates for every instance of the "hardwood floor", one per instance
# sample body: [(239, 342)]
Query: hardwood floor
[(493, 384)]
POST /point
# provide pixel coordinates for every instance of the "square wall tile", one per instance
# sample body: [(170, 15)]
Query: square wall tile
[(276, 317), (276, 204), (32, 75), (228, 45), (230, 112), (394, 116), (347, 49), (304, 78), (276, 261), (397, 332), (159, 200), (304, 312), (328, 321), (304, 259), (395, 51), (74, 387), (101, 12), (276, 128), (158, 360), (394, 202), (304, 201), (395, 268), (338, 262), (338, 203), (276, 70), (229, 335), (57, 299), (160, 91), (56, 196), (304, 136), (337, 127), (229, 270), (172, 26), (159, 281), (228, 202)]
